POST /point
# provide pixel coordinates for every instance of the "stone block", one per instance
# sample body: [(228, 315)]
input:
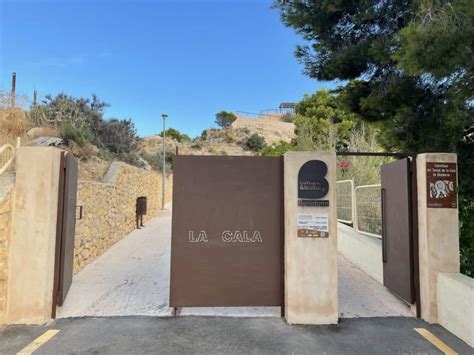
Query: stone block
[(456, 305)]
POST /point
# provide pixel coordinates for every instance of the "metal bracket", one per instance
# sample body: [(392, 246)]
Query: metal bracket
[(80, 212)]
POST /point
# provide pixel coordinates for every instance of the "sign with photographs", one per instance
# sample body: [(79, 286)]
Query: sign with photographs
[(441, 183), (313, 225)]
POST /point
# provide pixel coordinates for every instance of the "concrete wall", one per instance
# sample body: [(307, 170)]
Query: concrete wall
[(438, 230), (456, 305), (363, 251), (109, 209), (5, 217), (310, 263), (33, 235)]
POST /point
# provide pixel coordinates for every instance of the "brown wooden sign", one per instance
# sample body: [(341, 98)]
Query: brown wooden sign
[(441, 184), (227, 234)]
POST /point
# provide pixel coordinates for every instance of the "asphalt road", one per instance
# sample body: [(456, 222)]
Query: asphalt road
[(140, 335)]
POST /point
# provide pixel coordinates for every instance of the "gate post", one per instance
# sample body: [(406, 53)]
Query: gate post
[(310, 238), (33, 236), (438, 225)]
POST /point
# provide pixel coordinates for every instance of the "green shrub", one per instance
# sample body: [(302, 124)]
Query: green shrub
[(276, 150), (466, 207), (118, 136), (176, 135), (255, 142), (224, 119), (81, 120), (156, 160), (71, 133)]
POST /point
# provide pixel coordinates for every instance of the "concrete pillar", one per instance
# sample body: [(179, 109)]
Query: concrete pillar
[(438, 225), (33, 236), (310, 257)]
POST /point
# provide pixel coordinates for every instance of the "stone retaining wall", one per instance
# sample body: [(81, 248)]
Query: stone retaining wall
[(5, 209), (109, 209)]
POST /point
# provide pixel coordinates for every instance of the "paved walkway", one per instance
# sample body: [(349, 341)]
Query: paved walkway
[(132, 278), (224, 335)]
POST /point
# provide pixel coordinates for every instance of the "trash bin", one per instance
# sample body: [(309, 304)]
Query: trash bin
[(140, 210), (141, 205)]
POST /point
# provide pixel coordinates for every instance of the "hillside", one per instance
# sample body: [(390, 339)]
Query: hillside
[(273, 130), (94, 159), (227, 141)]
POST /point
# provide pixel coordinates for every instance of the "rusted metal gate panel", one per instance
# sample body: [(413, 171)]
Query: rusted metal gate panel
[(227, 232), (397, 234), (65, 229)]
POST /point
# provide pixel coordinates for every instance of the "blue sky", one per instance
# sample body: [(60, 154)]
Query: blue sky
[(188, 58)]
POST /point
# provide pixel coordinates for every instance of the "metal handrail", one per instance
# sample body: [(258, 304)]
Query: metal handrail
[(254, 114), (7, 156), (269, 110)]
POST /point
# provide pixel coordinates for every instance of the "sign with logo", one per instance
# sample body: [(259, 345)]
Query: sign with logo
[(313, 225), (441, 183), (312, 184)]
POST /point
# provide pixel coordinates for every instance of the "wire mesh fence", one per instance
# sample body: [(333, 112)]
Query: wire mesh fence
[(345, 201), (368, 212)]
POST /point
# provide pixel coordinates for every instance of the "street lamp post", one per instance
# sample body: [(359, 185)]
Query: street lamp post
[(163, 185)]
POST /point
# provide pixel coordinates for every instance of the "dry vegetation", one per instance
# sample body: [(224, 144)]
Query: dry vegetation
[(94, 163), (273, 130), (13, 120), (226, 141)]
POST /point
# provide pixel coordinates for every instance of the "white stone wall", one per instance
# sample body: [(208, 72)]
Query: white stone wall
[(363, 251), (456, 305)]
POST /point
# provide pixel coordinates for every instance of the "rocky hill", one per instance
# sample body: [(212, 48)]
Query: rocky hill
[(274, 130), (94, 162), (227, 141)]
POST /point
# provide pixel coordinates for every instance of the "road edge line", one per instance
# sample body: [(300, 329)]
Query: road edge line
[(425, 333), (38, 342)]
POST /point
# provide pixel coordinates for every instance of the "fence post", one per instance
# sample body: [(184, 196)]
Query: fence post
[(352, 202)]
